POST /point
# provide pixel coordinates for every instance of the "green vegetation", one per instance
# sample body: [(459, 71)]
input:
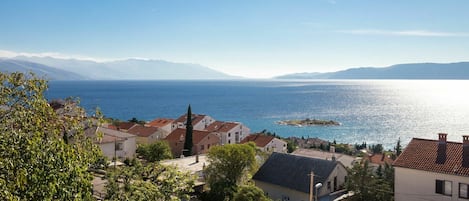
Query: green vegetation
[(250, 193), (44, 154), (156, 151), (135, 120), (230, 166), (188, 143), (370, 185), (150, 182), (308, 122)]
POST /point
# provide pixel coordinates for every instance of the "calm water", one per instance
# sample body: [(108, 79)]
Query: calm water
[(369, 110)]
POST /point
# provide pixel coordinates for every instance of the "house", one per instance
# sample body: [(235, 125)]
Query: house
[(199, 122), (195, 165), (116, 143), (125, 126), (346, 160), (161, 123), (267, 143), (146, 135), (433, 170), (288, 177), (229, 132), (377, 159), (202, 141)]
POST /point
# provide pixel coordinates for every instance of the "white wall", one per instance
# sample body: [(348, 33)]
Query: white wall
[(276, 192), (410, 185), (277, 145), (128, 149)]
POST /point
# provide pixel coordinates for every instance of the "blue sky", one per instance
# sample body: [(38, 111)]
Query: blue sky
[(252, 38)]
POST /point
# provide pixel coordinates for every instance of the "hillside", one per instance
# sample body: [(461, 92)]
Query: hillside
[(128, 69), (11, 65), (400, 71)]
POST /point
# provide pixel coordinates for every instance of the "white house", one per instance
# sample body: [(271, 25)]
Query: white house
[(229, 132), (267, 143), (287, 177), (117, 143), (199, 122), (433, 170)]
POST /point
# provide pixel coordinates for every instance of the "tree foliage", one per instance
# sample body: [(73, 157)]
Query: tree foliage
[(230, 165), (156, 151), (370, 185), (188, 143), (150, 182), (250, 193), (44, 154)]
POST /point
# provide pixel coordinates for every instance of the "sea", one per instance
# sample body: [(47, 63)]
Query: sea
[(371, 111)]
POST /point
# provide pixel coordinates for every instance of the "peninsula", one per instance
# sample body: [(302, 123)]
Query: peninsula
[(308, 122)]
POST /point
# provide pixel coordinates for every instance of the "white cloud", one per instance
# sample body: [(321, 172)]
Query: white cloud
[(422, 33)]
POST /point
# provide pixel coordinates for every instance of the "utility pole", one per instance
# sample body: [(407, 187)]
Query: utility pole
[(311, 186)]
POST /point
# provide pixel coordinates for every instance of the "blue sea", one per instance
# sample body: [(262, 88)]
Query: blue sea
[(375, 111)]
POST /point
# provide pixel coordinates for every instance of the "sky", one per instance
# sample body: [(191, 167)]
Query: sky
[(250, 38)]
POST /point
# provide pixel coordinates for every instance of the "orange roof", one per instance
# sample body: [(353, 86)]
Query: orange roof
[(435, 156), (379, 159), (196, 118), (126, 125), (260, 139), (219, 126), (160, 122), (142, 131), (197, 135), (110, 126)]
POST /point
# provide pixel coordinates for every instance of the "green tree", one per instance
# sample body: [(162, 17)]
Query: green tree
[(44, 154), (188, 143), (156, 151), (398, 148), (249, 193), (150, 182), (230, 165), (369, 186)]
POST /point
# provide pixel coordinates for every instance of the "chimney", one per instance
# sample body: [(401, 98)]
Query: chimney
[(332, 150), (442, 137), (441, 152), (465, 151)]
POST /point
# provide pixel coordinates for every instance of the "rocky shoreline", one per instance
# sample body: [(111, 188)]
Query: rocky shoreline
[(308, 122)]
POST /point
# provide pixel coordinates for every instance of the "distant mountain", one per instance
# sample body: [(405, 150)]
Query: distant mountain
[(129, 69), (400, 71), (12, 65)]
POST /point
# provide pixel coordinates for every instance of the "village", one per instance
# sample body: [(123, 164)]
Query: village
[(297, 168)]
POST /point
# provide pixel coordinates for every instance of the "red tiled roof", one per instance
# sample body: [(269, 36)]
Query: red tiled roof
[(142, 131), (433, 156), (259, 139), (126, 125), (110, 126), (197, 135), (196, 118), (219, 126), (160, 122), (379, 159)]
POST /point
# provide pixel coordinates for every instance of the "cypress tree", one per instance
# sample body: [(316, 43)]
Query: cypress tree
[(188, 139)]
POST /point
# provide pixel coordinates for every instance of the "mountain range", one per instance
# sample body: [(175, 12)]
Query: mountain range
[(458, 70), (143, 69), (128, 69)]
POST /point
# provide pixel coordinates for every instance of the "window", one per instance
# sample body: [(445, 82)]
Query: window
[(119, 146), (208, 146), (335, 183), (328, 185), (443, 187), (229, 134), (229, 141), (201, 147), (463, 190)]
